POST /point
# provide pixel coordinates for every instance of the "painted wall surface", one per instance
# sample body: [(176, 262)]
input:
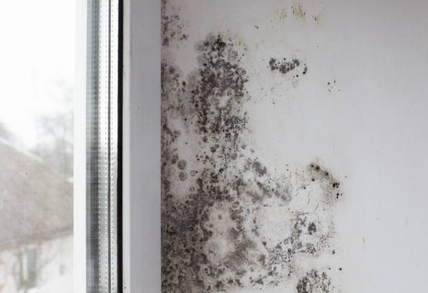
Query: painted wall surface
[(294, 138)]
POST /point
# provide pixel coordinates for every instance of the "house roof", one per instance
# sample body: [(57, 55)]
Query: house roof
[(35, 202)]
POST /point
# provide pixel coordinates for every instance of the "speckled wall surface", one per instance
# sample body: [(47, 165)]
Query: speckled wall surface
[(254, 146)]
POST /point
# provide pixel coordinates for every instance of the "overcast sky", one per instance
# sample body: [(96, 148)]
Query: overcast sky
[(37, 62)]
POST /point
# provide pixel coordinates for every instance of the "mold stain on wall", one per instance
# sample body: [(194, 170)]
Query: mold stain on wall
[(229, 221)]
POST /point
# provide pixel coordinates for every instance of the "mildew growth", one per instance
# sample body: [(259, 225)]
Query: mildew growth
[(228, 220), (172, 25), (284, 66), (315, 282)]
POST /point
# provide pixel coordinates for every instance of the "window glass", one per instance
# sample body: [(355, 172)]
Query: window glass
[(36, 145)]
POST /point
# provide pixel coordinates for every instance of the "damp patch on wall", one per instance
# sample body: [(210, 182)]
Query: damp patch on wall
[(229, 220)]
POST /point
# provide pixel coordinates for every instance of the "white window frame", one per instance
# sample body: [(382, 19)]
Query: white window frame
[(79, 236), (141, 148)]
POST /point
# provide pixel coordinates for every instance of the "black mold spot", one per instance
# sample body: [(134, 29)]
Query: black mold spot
[(172, 25), (261, 170), (331, 86), (212, 236), (332, 186), (305, 70), (182, 176), (283, 66), (315, 282), (185, 225), (312, 228), (181, 164)]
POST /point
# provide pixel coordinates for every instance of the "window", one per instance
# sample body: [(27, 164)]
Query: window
[(28, 269), (37, 79), (102, 158), (46, 89)]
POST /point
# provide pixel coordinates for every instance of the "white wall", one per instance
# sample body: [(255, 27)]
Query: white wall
[(359, 112)]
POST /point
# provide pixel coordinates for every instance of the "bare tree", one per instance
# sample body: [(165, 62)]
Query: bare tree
[(29, 273), (56, 149), (55, 132)]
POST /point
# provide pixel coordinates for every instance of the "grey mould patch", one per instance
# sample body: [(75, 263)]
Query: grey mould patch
[(228, 220), (172, 25), (284, 66), (315, 282)]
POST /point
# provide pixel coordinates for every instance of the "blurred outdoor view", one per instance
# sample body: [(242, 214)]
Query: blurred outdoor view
[(36, 145)]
